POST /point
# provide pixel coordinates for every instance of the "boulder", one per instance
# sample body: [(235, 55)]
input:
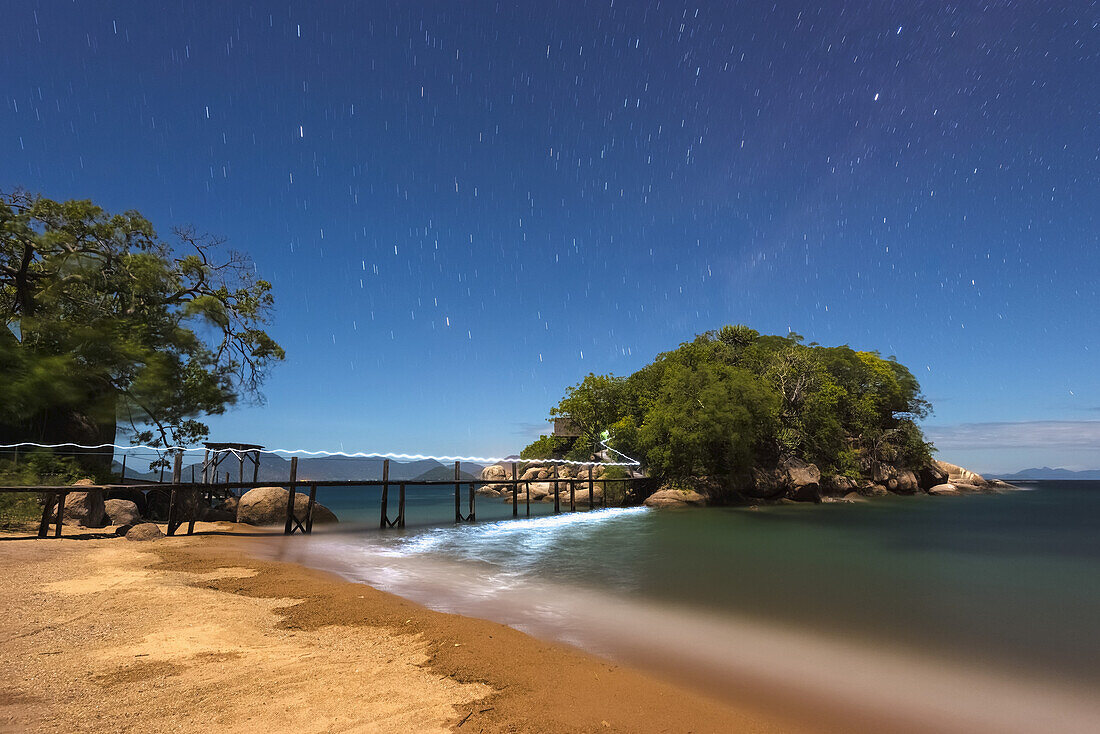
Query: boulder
[(582, 496), (540, 490), (792, 478), (957, 475), (671, 497), (837, 485), (944, 489), (531, 472), (494, 473), (229, 504), (904, 483), (133, 495), (144, 531), (84, 508), (495, 490), (267, 506), (122, 512), (930, 475)]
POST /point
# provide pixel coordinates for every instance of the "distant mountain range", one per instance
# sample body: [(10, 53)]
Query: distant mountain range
[(1047, 472), (276, 469)]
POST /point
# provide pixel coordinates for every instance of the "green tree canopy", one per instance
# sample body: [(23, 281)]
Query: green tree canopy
[(106, 324), (732, 399)]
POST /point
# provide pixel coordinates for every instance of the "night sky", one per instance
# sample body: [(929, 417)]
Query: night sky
[(466, 206)]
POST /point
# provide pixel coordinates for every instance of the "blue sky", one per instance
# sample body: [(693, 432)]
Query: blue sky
[(466, 207)]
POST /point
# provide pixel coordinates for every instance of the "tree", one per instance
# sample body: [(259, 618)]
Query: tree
[(708, 419), (108, 324), (593, 404)]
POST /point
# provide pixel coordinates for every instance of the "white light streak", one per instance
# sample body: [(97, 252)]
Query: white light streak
[(349, 455)]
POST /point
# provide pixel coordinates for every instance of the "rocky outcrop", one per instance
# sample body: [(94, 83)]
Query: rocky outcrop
[(957, 475), (121, 512), (675, 497), (267, 506), (944, 489), (144, 531), (792, 478)]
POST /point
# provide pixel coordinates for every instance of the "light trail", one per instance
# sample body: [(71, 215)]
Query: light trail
[(350, 455)]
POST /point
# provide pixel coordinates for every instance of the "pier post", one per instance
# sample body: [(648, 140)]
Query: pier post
[(173, 512), (557, 492), (591, 490), (288, 528), (473, 494), (528, 487), (401, 506), (123, 464), (515, 492), (309, 508), (458, 495), (572, 495), (385, 493)]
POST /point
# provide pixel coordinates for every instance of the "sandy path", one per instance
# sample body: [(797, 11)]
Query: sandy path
[(192, 633)]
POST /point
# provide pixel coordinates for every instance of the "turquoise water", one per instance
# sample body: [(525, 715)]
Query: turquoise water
[(1006, 583)]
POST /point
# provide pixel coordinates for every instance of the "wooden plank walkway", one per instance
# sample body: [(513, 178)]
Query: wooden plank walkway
[(177, 507)]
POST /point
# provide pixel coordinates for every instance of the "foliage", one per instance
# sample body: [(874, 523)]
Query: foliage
[(732, 399), (106, 323)]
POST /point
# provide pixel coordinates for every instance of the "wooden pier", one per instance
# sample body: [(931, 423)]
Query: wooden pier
[(184, 496)]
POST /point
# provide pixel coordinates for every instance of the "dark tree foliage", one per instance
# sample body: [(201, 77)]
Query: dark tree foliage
[(106, 324), (733, 399)]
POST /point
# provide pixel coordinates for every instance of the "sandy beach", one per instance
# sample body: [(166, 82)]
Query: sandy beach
[(181, 634)]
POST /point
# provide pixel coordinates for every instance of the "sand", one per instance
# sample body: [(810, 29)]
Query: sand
[(187, 633)]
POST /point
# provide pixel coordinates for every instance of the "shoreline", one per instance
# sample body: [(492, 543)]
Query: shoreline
[(156, 635)]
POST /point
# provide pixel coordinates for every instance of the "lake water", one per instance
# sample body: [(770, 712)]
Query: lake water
[(982, 607)]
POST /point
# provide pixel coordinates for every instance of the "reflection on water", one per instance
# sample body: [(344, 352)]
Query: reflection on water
[(978, 607)]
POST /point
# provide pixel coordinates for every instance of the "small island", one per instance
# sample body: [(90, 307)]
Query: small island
[(735, 417)]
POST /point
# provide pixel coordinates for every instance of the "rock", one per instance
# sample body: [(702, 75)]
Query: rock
[(944, 489), (957, 475), (904, 483), (267, 506), (144, 531), (84, 508), (133, 495), (540, 490), (793, 478), (122, 512), (494, 473), (670, 497), (531, 472), (495, 490), (837, 485), (229, 504), (930, 475)]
